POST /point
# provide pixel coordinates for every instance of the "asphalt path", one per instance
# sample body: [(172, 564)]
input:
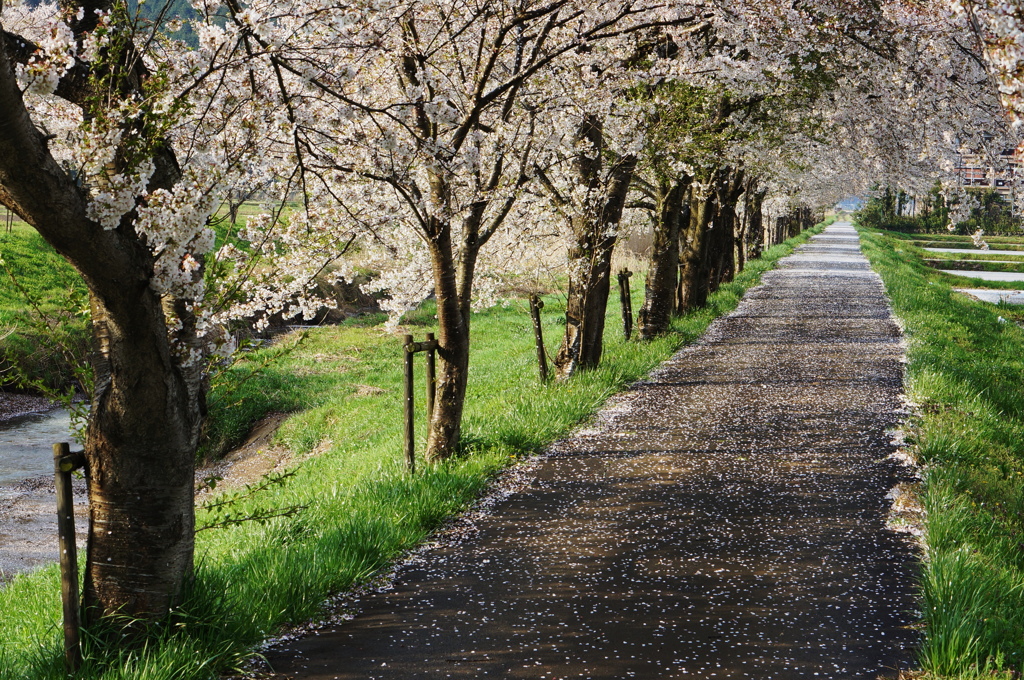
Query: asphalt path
[(723, 519)]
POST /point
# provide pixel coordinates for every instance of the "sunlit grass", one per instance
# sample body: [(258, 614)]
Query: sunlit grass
[(966, 373), (362, 509), (43, 310)]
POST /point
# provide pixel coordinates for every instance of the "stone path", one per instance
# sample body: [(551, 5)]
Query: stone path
[(1012, 297), (986, 276), (724, 519)]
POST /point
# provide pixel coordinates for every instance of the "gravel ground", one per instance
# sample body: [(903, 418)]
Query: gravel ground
[(28, 509), (724, 519), (14, 405), (28, 525)]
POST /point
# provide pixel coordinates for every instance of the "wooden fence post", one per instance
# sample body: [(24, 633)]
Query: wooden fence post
[(410, 442), (64, 463), (536, 304), (627, 302), (431, 378)]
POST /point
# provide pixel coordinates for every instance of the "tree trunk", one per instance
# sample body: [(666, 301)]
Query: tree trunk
[(141, 436), (140, 447), (719, 251), (693, 268), (662, 274), (755, 229), (589, 284), (453, 351), (740, 244), (590, 253), (453, 290), (727, 193), (747, 230)]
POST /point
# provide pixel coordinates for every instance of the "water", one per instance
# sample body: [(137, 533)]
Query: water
[(26, 444)]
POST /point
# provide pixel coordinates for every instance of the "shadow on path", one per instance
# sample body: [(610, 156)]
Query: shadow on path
[(724, 519)]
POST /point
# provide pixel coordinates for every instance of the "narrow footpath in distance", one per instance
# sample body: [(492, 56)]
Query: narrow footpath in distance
[(724, 519)]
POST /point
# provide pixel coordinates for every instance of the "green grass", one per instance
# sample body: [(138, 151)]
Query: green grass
[(43, 310), (966, 373), (362, 509), (977, 256)]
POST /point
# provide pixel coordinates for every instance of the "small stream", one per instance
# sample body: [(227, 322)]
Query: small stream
[(26, 445)]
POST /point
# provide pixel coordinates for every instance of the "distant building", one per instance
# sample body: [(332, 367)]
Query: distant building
[(972, 170)]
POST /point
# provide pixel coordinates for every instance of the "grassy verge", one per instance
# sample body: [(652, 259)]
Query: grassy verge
[(966, 373), (361, 508), (43, 310)]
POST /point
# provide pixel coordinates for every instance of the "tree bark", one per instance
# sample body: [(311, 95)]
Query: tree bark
[(722, 251), (142, 431), (453, 350), (663, 271), (693, 266), (755, 227), (453, 290), (590, 253)]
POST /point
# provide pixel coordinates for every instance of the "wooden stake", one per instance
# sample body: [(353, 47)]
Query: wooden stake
[(410, 442), (63, 464), (627, 302), (536, 304), (431, 377)]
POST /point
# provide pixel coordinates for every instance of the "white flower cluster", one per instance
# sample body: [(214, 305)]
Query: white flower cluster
[(117, 195), (54, 58), (961, 204), (979, 242), (174, 226)]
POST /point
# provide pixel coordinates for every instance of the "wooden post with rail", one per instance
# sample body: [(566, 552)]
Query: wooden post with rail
[(627, 302), (431, 377), (409, 349), (410, 432), (536, 304), (64, 463)]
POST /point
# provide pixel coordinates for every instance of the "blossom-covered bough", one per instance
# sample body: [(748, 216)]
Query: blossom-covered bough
[(426, 122)]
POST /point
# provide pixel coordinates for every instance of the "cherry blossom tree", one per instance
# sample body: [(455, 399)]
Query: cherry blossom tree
[(117, 146), (421, 122), (997, 27), (448, 138)]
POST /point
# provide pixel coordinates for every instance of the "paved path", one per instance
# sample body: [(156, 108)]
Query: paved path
[(986, 276), (723, 520), (1012, 297)]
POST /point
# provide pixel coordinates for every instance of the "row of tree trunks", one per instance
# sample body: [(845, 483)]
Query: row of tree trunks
[(717, 234), (787, 226), (751, 245), (671, 210), (594, 233), (724, 237), (694, 272)]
